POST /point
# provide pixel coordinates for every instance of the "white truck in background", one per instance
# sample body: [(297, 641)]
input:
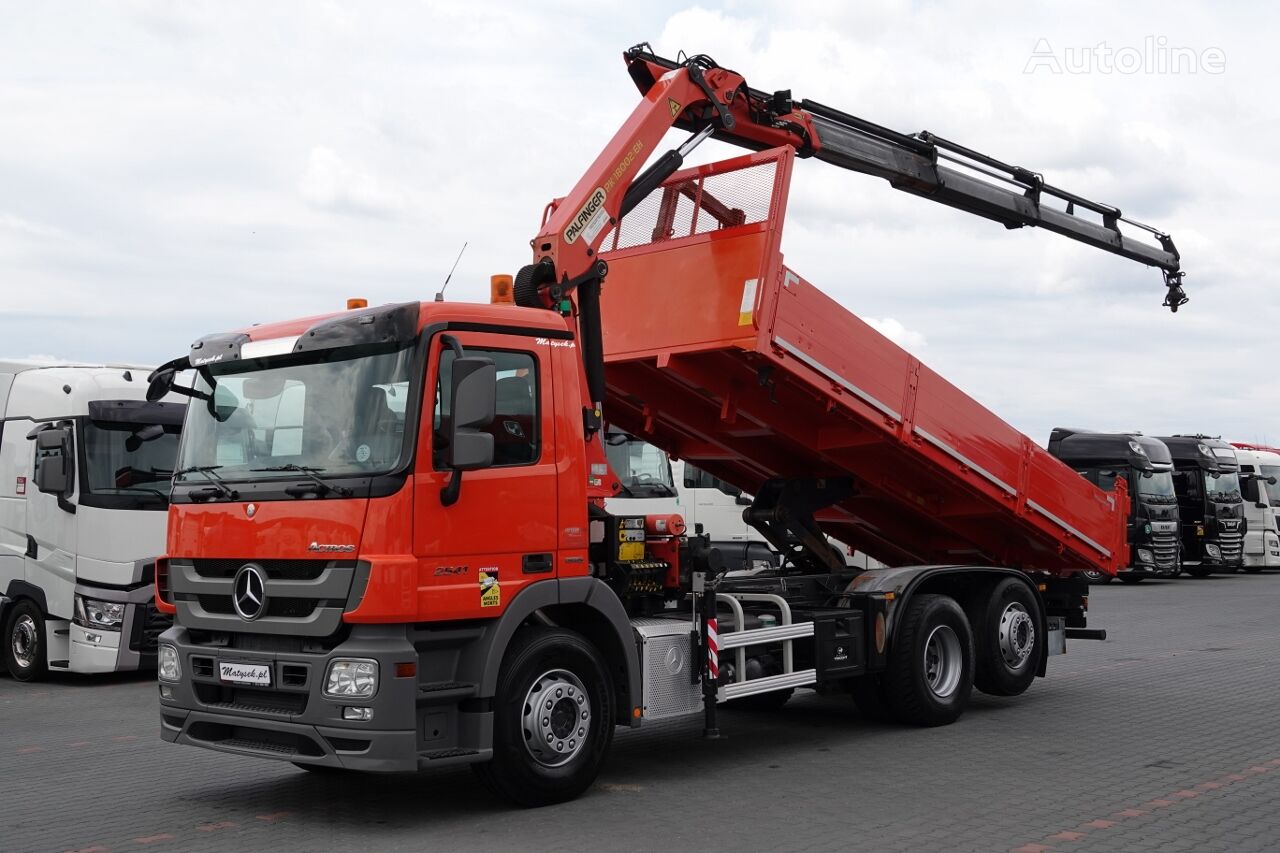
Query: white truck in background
[(654, 484), (85, 470), (1260, 485)]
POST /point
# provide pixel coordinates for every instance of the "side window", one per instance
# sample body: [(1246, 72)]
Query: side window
[(696, 478), (515, 428)]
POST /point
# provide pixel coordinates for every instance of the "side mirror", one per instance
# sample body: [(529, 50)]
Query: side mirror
[(1271, 481), (55, 463), (473, 395), (1262, 505), (160, 383), (150, 432)]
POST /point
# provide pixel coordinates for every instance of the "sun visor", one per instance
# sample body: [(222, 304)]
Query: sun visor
[(384, 324)]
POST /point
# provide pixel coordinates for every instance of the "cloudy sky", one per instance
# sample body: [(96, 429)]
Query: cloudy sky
[(172, 169)]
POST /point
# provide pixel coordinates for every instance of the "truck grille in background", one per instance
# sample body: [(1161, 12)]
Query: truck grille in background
[(1232, 545), (1165, 546), (148, 628), (304, 598)]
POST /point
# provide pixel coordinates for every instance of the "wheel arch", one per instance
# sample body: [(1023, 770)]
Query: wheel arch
[(19, 590), (585, 605)]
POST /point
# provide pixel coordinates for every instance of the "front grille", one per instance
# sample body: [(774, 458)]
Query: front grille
[(148, 628), (304, 598), (250, 739), (1232, 545), (251, 700), (285, 570), (1165, 547)]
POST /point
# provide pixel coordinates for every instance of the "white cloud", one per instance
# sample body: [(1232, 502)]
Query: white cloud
[(909, 339), (331, 182)]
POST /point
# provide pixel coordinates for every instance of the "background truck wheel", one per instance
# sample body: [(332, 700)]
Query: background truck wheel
[(1127, 578), (553, 719), (24, 649), (1005, 639), (1097, 577), (868, 695), (930, 672)]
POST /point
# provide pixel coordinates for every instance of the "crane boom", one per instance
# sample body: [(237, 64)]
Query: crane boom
[(935, 168)]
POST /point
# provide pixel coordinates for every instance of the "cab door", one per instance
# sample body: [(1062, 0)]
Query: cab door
[(501, 534)]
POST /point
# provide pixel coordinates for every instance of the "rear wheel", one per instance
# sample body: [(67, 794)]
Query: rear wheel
[(553, 719), (931, 664), (25, 655), (1006, 640)]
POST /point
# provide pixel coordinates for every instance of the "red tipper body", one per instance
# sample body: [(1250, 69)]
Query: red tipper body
[(724, 356)]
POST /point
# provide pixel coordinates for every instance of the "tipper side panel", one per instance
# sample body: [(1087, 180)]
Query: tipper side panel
[(721, 355)]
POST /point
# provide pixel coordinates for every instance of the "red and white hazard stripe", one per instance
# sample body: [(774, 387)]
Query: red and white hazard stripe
[(713, 649)]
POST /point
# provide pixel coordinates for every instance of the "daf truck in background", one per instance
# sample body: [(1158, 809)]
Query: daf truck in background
[(1260, 485), (1146, 466), (85, 469), (1206, 480)]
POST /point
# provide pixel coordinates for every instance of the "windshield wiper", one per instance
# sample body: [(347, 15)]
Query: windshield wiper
[(219, 485), (310, 473)]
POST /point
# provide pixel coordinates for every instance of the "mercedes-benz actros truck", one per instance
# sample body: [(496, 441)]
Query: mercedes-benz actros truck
[(85, 470), (1146, 466)]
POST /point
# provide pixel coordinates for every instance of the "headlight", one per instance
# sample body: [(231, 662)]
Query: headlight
[(99, 614), (1145, 556), (168, 663), (351, 677), (1213, 551)]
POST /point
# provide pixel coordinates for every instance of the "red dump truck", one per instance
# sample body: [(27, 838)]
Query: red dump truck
[(387, 545)]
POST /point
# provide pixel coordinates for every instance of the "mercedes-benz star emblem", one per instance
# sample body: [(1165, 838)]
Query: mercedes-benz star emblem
[(250, 510), (249, 592)]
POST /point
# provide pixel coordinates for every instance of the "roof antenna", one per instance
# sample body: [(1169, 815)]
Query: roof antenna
[(440, 295)]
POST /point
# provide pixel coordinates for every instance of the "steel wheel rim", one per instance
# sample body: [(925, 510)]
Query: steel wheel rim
[(556, 718), (943, 661), (1093, 576), (25, 641), (1017, 635)]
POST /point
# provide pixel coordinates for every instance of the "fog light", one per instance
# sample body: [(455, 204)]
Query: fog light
[(166, 692), (1213, 551), (1145, 556), (93, 638), (351, 677), (361, 714), (168, 664)]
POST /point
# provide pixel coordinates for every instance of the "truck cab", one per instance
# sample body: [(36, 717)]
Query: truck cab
[(1146, 466), (1206, 480), (85, 465), (1260, 485)]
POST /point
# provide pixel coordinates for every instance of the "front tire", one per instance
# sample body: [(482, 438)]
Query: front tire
[(25, 655), (553, 719), (1006, 639), (931, 662)]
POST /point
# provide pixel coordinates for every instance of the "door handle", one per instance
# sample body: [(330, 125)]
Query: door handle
[(536, 564)]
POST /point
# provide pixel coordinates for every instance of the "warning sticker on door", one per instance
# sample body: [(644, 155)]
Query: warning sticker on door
[(490, 590)]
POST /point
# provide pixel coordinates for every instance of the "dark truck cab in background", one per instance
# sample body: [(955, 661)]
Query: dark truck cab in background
[(1146, 465), (1211, 505)]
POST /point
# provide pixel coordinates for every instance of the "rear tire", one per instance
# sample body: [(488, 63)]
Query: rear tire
[(553, 719), (25, 654), (1006, 642), (930, 672)]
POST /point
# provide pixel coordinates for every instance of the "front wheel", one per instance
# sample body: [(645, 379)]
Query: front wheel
[(930, 672), (25, 655), (553, 719)]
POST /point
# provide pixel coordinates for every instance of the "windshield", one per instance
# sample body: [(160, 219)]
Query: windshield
[(1158, 485), (643, 470), (341, 414), (1224, 487), (123, 469), (1273, 492)]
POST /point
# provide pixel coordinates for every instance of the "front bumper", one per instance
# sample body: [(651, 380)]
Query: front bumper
[(294, 721)]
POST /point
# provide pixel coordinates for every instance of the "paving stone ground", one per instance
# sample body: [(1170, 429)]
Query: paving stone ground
[(1162, 738)]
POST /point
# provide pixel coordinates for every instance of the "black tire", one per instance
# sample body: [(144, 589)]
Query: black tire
[(868, 695), (1131, 579), (1006, 638), (550, 660), (1097, 578), (1198, 571), (25, 654), (930, 672), (772, 701)]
